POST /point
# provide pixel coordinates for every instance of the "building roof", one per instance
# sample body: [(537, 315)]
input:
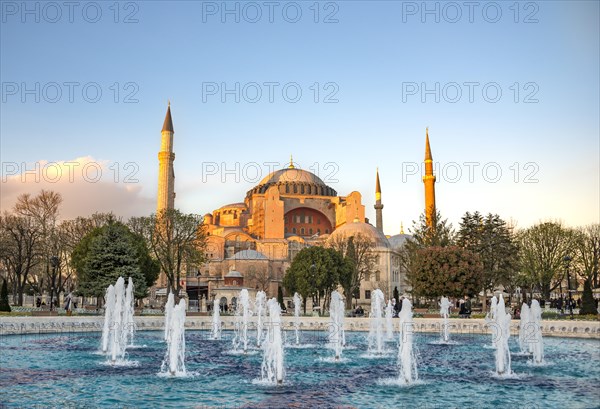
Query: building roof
[(168, 124), (233, 205), (292, 175), (397, 241), (248, 255), (234, 274), (365, 229)]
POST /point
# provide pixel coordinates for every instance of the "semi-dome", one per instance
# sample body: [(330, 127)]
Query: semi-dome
[(293, 181), (364, 229), (248, 255)]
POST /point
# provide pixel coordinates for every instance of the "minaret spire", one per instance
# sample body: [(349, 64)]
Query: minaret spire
[(291, 162), (429, 181), (166, 173), (378, 206)]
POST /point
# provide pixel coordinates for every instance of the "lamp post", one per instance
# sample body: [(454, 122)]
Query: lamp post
[(198, 274), (54, 261), (567, 261)]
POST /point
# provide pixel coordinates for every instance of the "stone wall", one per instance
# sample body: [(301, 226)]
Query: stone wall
[(35, 325)]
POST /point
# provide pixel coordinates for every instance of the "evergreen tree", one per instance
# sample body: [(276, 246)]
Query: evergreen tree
[(4, 305), (280, 297), (588, 305), (111, 252), (450, 270), (491, 239)]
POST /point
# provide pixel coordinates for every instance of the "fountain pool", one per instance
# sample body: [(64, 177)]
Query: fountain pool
[(66, 370)]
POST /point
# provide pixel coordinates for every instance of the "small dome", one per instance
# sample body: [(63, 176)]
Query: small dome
[(365, 229), (248, 255), (397, 241), (234, 274)]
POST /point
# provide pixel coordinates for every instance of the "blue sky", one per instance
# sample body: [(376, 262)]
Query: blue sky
[(544, 140)]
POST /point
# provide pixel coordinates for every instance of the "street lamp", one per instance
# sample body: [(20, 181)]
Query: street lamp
[(54, 262), (198, 274), (567, 261)]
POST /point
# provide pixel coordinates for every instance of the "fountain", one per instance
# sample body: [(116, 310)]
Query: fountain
[(272, 365), (444, 312), (502, 324), (241, 324), (128, 313), (297, 305), (336, 324), (118, 332), (216, 321), (525, 330), (376, 321), (174, 360), (261, 298), (388, 321), (118, 325), (109, 306), (536, 321), (490, 319), (168, 311), (407, 363)]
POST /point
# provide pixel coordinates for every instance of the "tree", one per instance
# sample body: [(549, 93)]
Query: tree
[(587, 250), (542, 251), (259, 276), (359, 259), (19, 250), (280, 297), (107, 253), (588, 305), (4, 305), (451, 271), (491, 239), (314, 273), (175, 240), (441, 235), (43, 212)]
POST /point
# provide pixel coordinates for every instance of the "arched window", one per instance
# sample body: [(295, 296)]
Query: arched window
[(294, 230), (310, 231), (302, 231)]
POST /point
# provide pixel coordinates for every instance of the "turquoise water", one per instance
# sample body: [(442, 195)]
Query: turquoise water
[(65, 370)]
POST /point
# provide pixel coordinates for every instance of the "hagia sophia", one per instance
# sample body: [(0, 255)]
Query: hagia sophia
[(252, 243)]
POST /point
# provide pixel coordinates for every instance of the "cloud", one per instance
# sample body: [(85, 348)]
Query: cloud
[(87, 186)]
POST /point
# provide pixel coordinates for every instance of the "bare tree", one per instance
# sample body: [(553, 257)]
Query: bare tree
[(176, 240), (261, 277), (360, 259), (20, 239), (588, 252)]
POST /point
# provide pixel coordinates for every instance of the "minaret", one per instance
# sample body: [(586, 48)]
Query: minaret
[(378, 206), (166, 174), (429, 181)]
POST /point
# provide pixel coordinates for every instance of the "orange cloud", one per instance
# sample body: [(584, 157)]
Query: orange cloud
[(87, 185)]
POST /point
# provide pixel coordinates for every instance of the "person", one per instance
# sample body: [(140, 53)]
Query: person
[(461, 311), (467, 305), (69, 304), (38, 302)]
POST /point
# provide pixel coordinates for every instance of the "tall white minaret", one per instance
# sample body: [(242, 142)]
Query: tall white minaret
[(166, 174)]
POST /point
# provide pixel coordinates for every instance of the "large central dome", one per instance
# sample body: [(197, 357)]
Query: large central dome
[(292, 175), (294, 181)]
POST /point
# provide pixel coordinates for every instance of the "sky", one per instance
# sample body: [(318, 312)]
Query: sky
[(509, 90)]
